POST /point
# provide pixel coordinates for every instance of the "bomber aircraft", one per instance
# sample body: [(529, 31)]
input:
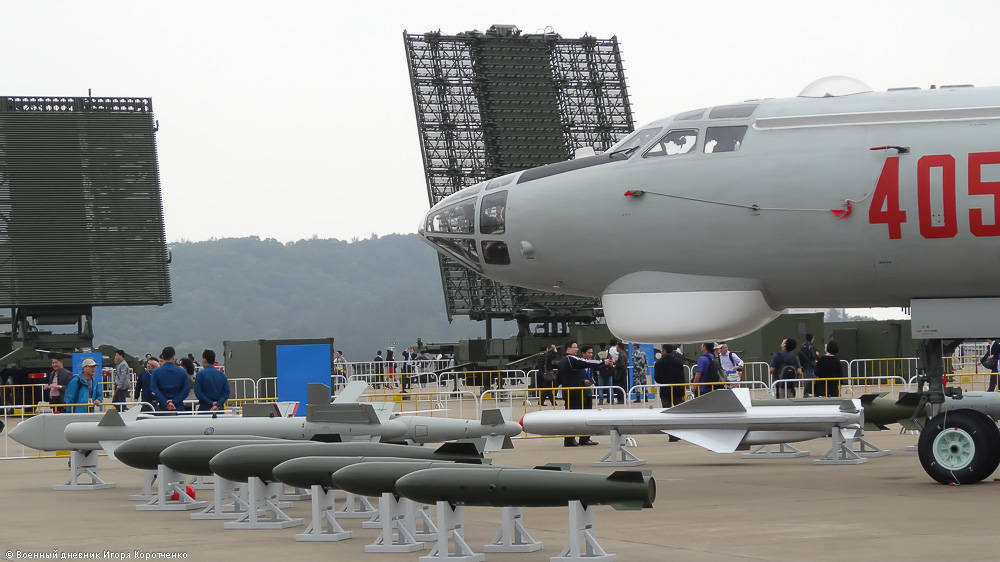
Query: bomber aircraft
[(708, 223)]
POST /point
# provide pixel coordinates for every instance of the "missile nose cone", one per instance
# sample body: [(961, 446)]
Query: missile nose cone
[(520, 422), (23, 432)]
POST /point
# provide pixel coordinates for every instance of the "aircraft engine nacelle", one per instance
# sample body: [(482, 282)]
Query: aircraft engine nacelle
[(657, 307)]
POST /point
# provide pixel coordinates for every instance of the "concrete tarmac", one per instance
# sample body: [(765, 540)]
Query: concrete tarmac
[(709, 507)]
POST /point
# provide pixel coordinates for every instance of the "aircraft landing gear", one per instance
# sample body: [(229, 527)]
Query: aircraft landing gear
[(960, 447)]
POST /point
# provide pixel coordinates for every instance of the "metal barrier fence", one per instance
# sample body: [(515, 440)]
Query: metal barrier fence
[(267, 387), (429, 401), (757, 371), (395, 380), (854, 384), (385, 367), (690, 391), (904, 367)]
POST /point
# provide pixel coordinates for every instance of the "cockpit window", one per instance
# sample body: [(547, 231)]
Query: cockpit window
[(724, 139), (453, 219), (495, 252), (634, 141), (690, 115), (674, 142), (462, 248), (492, 212), (499, 182), (732, 111)]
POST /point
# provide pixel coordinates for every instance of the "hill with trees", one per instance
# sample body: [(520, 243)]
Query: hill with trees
[(367, 294)]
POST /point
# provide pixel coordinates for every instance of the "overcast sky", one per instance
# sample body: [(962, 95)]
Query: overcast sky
[(293, 119)]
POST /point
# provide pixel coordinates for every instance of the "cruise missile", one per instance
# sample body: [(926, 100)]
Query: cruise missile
[(342, 420), (527, 487), (492, 426), (146, 453), (240, 463), (44, 432), (722, 421), (306, 472)]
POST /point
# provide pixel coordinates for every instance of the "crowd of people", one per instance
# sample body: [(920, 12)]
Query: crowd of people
[(571, 374), (164, 384)]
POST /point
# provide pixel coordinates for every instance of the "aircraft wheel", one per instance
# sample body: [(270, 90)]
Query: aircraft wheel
[(959, 446)]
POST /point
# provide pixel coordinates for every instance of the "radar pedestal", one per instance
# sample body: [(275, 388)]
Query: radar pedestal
[(83, 464)]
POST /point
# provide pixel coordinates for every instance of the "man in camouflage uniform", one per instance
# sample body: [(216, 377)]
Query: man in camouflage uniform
[(639, 365)]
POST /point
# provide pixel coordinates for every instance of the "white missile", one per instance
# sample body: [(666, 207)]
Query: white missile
[(343, 420), (722, 421)]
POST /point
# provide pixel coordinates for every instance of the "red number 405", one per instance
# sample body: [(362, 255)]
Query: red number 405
[(885, 208)]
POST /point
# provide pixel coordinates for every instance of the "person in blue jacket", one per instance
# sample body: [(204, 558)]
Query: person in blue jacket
[(170, 383), (83, 388), (210, 385)]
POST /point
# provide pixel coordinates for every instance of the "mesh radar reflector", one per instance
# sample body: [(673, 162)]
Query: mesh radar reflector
[(146, 453), (528, 487), (258, 460)]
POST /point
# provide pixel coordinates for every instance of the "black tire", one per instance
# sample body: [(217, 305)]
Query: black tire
[(959, 447)]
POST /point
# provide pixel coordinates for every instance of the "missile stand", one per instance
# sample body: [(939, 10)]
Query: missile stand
[(83, 464)]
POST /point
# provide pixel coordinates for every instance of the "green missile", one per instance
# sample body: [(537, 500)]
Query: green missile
[(527, 487), (305, 472), (240, 463), (191, 456), (145, 452)]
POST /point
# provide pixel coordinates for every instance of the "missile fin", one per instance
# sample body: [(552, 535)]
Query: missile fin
[(867, 399), (735, 400), (559, 466), (112, 419), (351, 412), (848, 406), (351, 392), (492, 417), (473, 447), (508, 443), (627, 476), (627, 506), (910, 399), (131, 415), (494, 443), (109, 447), (715, 440)]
